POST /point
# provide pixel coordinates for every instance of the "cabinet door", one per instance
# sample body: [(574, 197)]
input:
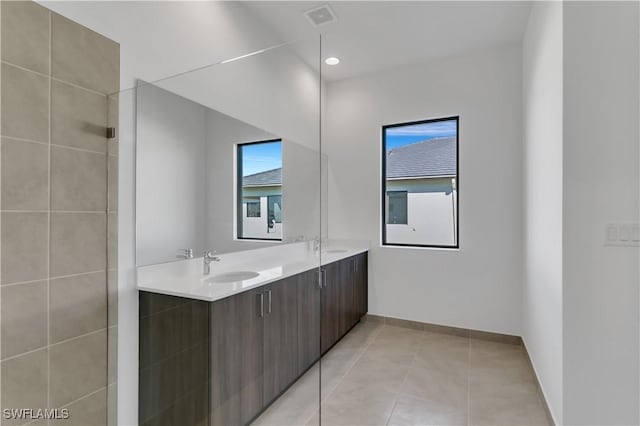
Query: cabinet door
[(308, 319), (251, 359), (330, 305), (226, 318), (362, 285), (280, 337), (346, 284)]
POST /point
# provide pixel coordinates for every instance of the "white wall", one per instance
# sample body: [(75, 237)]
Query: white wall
[(601, 185), (479, 286), (542, 266), (223, 133), (171, 180)]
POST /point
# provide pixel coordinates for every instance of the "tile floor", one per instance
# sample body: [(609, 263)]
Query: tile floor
[(385, 375)]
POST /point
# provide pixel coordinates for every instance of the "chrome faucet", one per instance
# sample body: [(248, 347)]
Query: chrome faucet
[(185, 254), (209, 256)]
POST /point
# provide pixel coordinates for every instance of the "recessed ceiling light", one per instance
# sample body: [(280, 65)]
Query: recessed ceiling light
[(332, 61)]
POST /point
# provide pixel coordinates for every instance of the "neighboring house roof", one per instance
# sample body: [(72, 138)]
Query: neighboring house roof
[(266, 178), (430, 158)]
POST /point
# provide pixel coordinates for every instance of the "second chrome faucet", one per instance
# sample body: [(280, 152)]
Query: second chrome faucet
[(209, 256)]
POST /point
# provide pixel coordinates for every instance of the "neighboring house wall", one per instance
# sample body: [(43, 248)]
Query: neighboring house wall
[(257, 227), (431, 212)]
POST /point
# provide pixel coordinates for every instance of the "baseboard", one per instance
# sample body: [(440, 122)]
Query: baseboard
[(465, 332), (540, 392), (445, 329)]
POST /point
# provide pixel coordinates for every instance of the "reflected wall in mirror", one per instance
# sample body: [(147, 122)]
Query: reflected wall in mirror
[(209, 181)]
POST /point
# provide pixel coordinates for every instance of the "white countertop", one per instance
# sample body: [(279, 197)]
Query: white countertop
[(185, 278)]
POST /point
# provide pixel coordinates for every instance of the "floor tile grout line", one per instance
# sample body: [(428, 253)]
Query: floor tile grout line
[(322, 400), (49, 176), (402, 385)]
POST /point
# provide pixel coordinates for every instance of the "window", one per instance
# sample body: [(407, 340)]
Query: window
[(420, 183), (259, 171), (397, 202), (253, 208)]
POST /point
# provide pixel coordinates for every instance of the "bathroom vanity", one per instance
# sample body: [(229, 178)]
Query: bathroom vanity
[(217, 349)]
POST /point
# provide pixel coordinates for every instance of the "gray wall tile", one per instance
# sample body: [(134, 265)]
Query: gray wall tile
[(78, 243), (78, 367), (78, 180), (24, 382), (89, 411), (24, 247), (25, 35), (25, 175), (84, 57), (70, 110), (24, 317), (78, 305), (78, 117), (25, 104)]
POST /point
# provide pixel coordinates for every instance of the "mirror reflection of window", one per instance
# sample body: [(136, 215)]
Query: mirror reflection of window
[(260, 190)]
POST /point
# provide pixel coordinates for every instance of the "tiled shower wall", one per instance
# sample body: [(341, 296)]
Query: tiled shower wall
[(58, 215)]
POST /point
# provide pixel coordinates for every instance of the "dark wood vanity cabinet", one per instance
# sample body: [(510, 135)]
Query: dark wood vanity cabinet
[(254, 350), (259, 341), (344, 297), (308, 304)]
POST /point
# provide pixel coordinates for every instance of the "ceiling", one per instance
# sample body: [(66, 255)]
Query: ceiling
[(371, 36)]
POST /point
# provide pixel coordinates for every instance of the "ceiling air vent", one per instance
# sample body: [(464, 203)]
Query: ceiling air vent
[(321, 15)]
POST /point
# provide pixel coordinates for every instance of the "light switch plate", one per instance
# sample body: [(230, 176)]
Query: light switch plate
[(622, 235)]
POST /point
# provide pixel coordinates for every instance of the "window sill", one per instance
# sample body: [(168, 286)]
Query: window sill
[(257, 240), (394, 246)]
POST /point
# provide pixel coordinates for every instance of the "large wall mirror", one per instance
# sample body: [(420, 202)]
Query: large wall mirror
[(228, 167)]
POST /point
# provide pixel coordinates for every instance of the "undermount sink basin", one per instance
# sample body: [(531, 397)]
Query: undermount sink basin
[(336, 251), (232, 276)]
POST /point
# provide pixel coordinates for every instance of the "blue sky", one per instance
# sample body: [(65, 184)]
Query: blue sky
[(260, 157), (404, 135)]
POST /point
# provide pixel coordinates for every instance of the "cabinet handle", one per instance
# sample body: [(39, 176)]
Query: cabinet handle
[(269, 306), (261, 295), (320, 279)]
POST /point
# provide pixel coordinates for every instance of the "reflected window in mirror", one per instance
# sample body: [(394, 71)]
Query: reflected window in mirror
[(259, 192)]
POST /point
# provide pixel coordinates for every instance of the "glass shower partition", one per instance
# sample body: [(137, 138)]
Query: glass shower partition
[(229, 215)]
